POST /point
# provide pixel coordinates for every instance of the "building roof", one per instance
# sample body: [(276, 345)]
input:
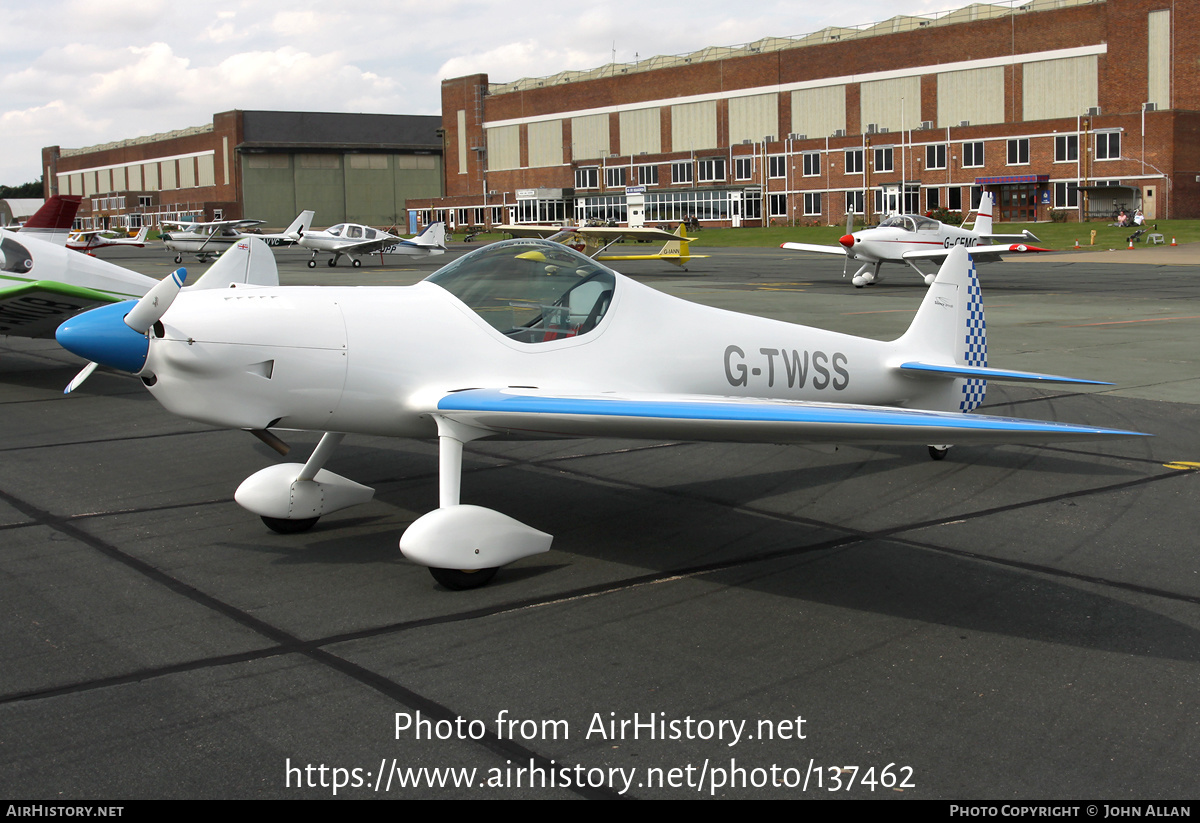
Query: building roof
[(975, 11), (334, 131)]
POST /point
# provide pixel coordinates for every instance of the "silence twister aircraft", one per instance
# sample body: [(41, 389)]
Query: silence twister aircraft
[(531, 339), (42, 283), (208, 240), (352, 239), (88, 241), (911, 238), (595, 241)]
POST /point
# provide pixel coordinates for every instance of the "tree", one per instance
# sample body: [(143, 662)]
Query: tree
[(27, 191)]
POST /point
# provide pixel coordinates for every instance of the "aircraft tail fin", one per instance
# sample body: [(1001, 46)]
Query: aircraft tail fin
[(949, 329), (676, 251), (52, 222), (300, 225), (141, 235), (983, 215), (249, 261), (947, 342), (434, 236)]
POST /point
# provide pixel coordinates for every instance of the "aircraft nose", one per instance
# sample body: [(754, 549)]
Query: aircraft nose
[(846, 240), (100, 335)]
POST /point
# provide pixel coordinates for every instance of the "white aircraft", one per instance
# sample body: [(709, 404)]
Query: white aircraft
[(911, 238), (89, 241), (531, 339), (595, 241), (352, 240), (208, 240)]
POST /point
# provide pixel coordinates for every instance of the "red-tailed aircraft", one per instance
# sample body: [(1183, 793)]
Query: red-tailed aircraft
[(89, 241)]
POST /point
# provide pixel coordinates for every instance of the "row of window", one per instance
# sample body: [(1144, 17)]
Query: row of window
[(712, 169)]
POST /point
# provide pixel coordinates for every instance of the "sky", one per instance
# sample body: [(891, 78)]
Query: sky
[(77, 73)]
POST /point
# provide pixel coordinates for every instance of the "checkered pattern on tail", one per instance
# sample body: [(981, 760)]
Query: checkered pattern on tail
[(975, 343)]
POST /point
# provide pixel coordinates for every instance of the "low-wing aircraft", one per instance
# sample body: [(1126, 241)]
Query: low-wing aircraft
[(531, 339), (353, 240), (208, 240), (911, 238), (89, 241), (595, 241)]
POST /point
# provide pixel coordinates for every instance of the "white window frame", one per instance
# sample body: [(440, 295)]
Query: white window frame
[(854, 163), (933, 151), (1066, 148), (711, 169), (1106, 139), (1015, 145), (778, 205), (1067, 194), (590, 175), (812, 203), (885, 159), (647, 175), (777, 166), (743, 168), (614, 177), (975, 162), (682, 172), (812, 163)]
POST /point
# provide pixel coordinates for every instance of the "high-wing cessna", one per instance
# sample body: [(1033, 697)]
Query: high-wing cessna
[(528, 338), (353, 240), (208, 240), (89, 241), (595, 241), (911, 238)]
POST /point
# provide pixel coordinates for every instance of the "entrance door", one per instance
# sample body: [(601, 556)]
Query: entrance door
[(1149, 207), (891, 200), (735, 209), (1018, 203)]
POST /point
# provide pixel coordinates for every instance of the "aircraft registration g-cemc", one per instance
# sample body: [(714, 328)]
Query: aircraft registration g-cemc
[(911, 239), (525, 339)]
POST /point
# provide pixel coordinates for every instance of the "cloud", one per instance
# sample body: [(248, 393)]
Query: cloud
[(76, 73)]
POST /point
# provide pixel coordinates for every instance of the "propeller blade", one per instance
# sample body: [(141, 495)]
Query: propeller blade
[(150, 309), (77, 381)]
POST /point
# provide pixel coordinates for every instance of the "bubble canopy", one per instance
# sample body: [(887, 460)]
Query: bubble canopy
[(531, 291)]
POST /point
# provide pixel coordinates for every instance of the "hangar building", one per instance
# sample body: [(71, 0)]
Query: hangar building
[(1066, 109), (266, 165)]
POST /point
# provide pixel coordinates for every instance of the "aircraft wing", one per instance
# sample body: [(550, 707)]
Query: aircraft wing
[(215, 225), (736, 419), (530, 230), (608, 233), (982, 253), (38, 307), (369, 246), (838, 250)]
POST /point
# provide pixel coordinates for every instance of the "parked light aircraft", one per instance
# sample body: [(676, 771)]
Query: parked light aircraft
[(352, 240), (208, 240), (89, 241), (594, 241), (911, 238), (528, 338)]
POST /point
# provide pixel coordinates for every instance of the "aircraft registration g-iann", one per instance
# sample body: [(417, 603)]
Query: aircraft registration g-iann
[(528, 338)]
